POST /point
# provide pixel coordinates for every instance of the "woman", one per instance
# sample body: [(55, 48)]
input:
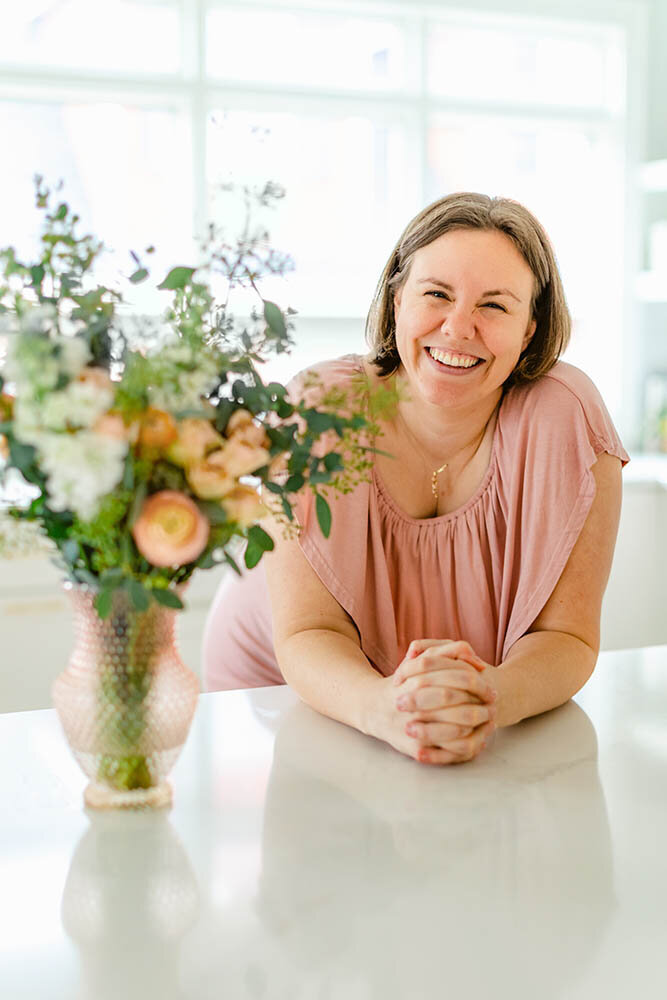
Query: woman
[(460, 589)]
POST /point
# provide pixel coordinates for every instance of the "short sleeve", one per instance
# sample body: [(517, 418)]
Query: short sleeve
[(552, 434)]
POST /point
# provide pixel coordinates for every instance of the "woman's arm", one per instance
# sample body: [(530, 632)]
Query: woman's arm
[(318, 649), (556, 656)]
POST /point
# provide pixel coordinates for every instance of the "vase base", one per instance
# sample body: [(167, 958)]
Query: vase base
[(98, 796)]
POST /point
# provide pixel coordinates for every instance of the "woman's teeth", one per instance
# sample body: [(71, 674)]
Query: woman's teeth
[(454, 360)]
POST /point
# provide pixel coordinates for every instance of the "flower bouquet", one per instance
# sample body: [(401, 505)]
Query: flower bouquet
[(144, 450)]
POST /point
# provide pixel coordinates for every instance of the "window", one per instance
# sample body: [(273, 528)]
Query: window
[(364, 113)]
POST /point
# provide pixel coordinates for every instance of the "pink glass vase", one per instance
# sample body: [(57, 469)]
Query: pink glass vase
[(126, 701)]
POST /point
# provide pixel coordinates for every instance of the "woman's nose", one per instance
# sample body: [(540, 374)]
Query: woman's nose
[(459, 323)]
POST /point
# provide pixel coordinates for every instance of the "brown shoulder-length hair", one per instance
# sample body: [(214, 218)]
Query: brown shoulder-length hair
[(469, 210)]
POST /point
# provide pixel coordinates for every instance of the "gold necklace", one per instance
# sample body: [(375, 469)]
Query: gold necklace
[(436, 472)]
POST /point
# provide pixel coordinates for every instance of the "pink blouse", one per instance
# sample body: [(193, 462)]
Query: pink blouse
[(481, 573)]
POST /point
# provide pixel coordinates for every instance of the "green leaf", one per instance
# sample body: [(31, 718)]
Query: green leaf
[(333, 461), (273, 487), (61, 213), (252, 555), (137, 503), (128, 475), (259, 542), (178, 277), (259, 537), (319, 422), (103, 603), (139, 596), (212, 511), (232, 563), (71, 550), (168, 598), (111, 577), (139, 275), (294, 483), (323, 514), (275, 318), (287, 507), (37, 274)]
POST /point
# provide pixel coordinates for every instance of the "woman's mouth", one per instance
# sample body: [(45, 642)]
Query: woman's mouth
[(454, 363)]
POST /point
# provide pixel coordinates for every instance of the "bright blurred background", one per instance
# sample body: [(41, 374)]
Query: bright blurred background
[(365, 112)]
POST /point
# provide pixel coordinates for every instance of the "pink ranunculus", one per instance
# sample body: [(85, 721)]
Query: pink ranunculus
[(170, 529), (196, 437), (244, 505)]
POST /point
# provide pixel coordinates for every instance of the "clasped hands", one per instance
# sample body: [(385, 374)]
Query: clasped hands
[(444, 702)]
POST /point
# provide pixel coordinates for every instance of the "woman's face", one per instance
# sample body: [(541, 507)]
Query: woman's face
[(463, 315)]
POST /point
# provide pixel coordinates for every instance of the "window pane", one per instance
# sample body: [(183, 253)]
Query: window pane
[(112, 35), (126, 171), (301, 47), (349, 194), (543, 62), (568, 175)]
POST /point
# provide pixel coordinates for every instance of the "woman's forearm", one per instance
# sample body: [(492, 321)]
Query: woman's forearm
[(543, 670), (330, 673)]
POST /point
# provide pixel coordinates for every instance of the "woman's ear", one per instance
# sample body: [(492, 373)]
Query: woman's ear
[(528, 336)]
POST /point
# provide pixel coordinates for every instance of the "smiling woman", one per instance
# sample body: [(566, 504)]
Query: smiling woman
[(460, 589)]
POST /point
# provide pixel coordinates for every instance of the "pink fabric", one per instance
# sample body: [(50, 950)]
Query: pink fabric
[(481, 573)]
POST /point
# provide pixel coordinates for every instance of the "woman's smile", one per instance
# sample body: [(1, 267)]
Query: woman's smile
[(464, 314)]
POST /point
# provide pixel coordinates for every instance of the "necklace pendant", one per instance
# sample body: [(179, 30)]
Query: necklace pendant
[(434, 485)]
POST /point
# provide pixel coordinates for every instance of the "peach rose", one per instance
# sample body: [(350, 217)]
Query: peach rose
[(170, 530), (98, 377), (210, 479), (242, 427), (196, 437), (113, 425), (240, 459), (158, 429), (278, 466), (244, 505), (4, 448)]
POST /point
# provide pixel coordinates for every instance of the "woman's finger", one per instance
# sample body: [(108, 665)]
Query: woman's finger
[(426, 654), (425, 691), (436, 734), (459, 750)]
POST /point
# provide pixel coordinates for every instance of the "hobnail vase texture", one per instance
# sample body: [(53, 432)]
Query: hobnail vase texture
[(126, 701)]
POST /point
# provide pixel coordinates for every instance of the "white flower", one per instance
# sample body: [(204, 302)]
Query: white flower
[(30, 365), (81, 468), (39, 319), (74, 354), (78, 405), (8, 323)]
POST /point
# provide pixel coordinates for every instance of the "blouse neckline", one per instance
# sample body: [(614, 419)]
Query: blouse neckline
[(421, 522)]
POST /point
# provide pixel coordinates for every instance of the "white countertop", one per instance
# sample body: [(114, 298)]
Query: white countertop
[(303, 860)]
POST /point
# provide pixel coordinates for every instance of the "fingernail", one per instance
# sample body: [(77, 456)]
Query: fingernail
[(411, 729), (402, 702)]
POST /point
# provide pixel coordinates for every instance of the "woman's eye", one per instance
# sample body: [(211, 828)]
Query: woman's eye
[(496, 305), (438, 295)]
